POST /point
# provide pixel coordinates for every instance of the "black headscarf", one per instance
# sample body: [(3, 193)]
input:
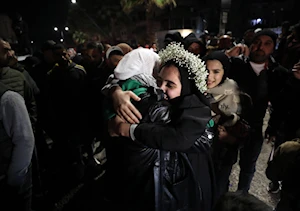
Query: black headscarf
[(221, 57), (188, 86)]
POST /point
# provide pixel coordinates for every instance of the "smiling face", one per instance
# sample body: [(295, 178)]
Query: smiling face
[(215, 73), (169, 81)]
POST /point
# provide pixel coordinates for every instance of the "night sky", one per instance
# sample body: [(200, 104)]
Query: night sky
[(40, 15)]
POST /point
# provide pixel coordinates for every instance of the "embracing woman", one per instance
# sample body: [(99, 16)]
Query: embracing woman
[(182, 78)]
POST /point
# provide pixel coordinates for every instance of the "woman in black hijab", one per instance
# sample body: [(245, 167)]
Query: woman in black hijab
[(183, 80)]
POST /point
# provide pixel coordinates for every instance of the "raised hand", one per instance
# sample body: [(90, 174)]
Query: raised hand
[(238, 50)]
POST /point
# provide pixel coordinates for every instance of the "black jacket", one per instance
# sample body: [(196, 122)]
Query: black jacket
[(262, 88), (183, 134), (66, 108), (286, 114), (29, 79), (151, 179)]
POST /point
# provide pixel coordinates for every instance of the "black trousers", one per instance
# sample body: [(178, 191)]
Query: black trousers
[(17, 198)]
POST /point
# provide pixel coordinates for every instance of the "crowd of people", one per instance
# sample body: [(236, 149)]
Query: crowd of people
[(172, 121)]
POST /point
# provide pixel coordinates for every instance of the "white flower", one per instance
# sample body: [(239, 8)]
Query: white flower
[(196, 67)]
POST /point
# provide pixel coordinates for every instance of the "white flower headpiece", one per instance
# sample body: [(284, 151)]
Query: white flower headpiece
[(196, 67)]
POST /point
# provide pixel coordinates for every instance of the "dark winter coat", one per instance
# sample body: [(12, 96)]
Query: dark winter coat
[(17, 82), (153, 179), (183, 134), (66, 111), (286, 114), (262, 88), (29, 79), (285, 167)]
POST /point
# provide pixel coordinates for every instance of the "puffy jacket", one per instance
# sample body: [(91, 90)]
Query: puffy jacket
[(17, 82)]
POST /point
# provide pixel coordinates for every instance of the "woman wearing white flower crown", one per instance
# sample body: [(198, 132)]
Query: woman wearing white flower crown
[(183, 80)]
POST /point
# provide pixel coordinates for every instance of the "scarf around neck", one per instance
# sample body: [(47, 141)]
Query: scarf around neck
[(227, 98)]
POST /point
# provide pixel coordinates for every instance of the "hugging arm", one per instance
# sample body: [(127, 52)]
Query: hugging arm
[(123, 106), (180, 135), (121, 101)]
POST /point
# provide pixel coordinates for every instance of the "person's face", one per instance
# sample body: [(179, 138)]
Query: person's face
[(215, 73), (6, 53), (248, 37), (114, 60), (62, 57), (195, 48), (225, 43), (48, 56), (261, 49), (93, 56), (13, 59), (169, 81)]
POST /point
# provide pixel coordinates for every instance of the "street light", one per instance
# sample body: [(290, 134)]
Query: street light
[(73, 1), (61, 32)]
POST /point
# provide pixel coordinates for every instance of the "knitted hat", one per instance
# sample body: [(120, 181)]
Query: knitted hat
[(137, 61), (266, 32), (114, 49)]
